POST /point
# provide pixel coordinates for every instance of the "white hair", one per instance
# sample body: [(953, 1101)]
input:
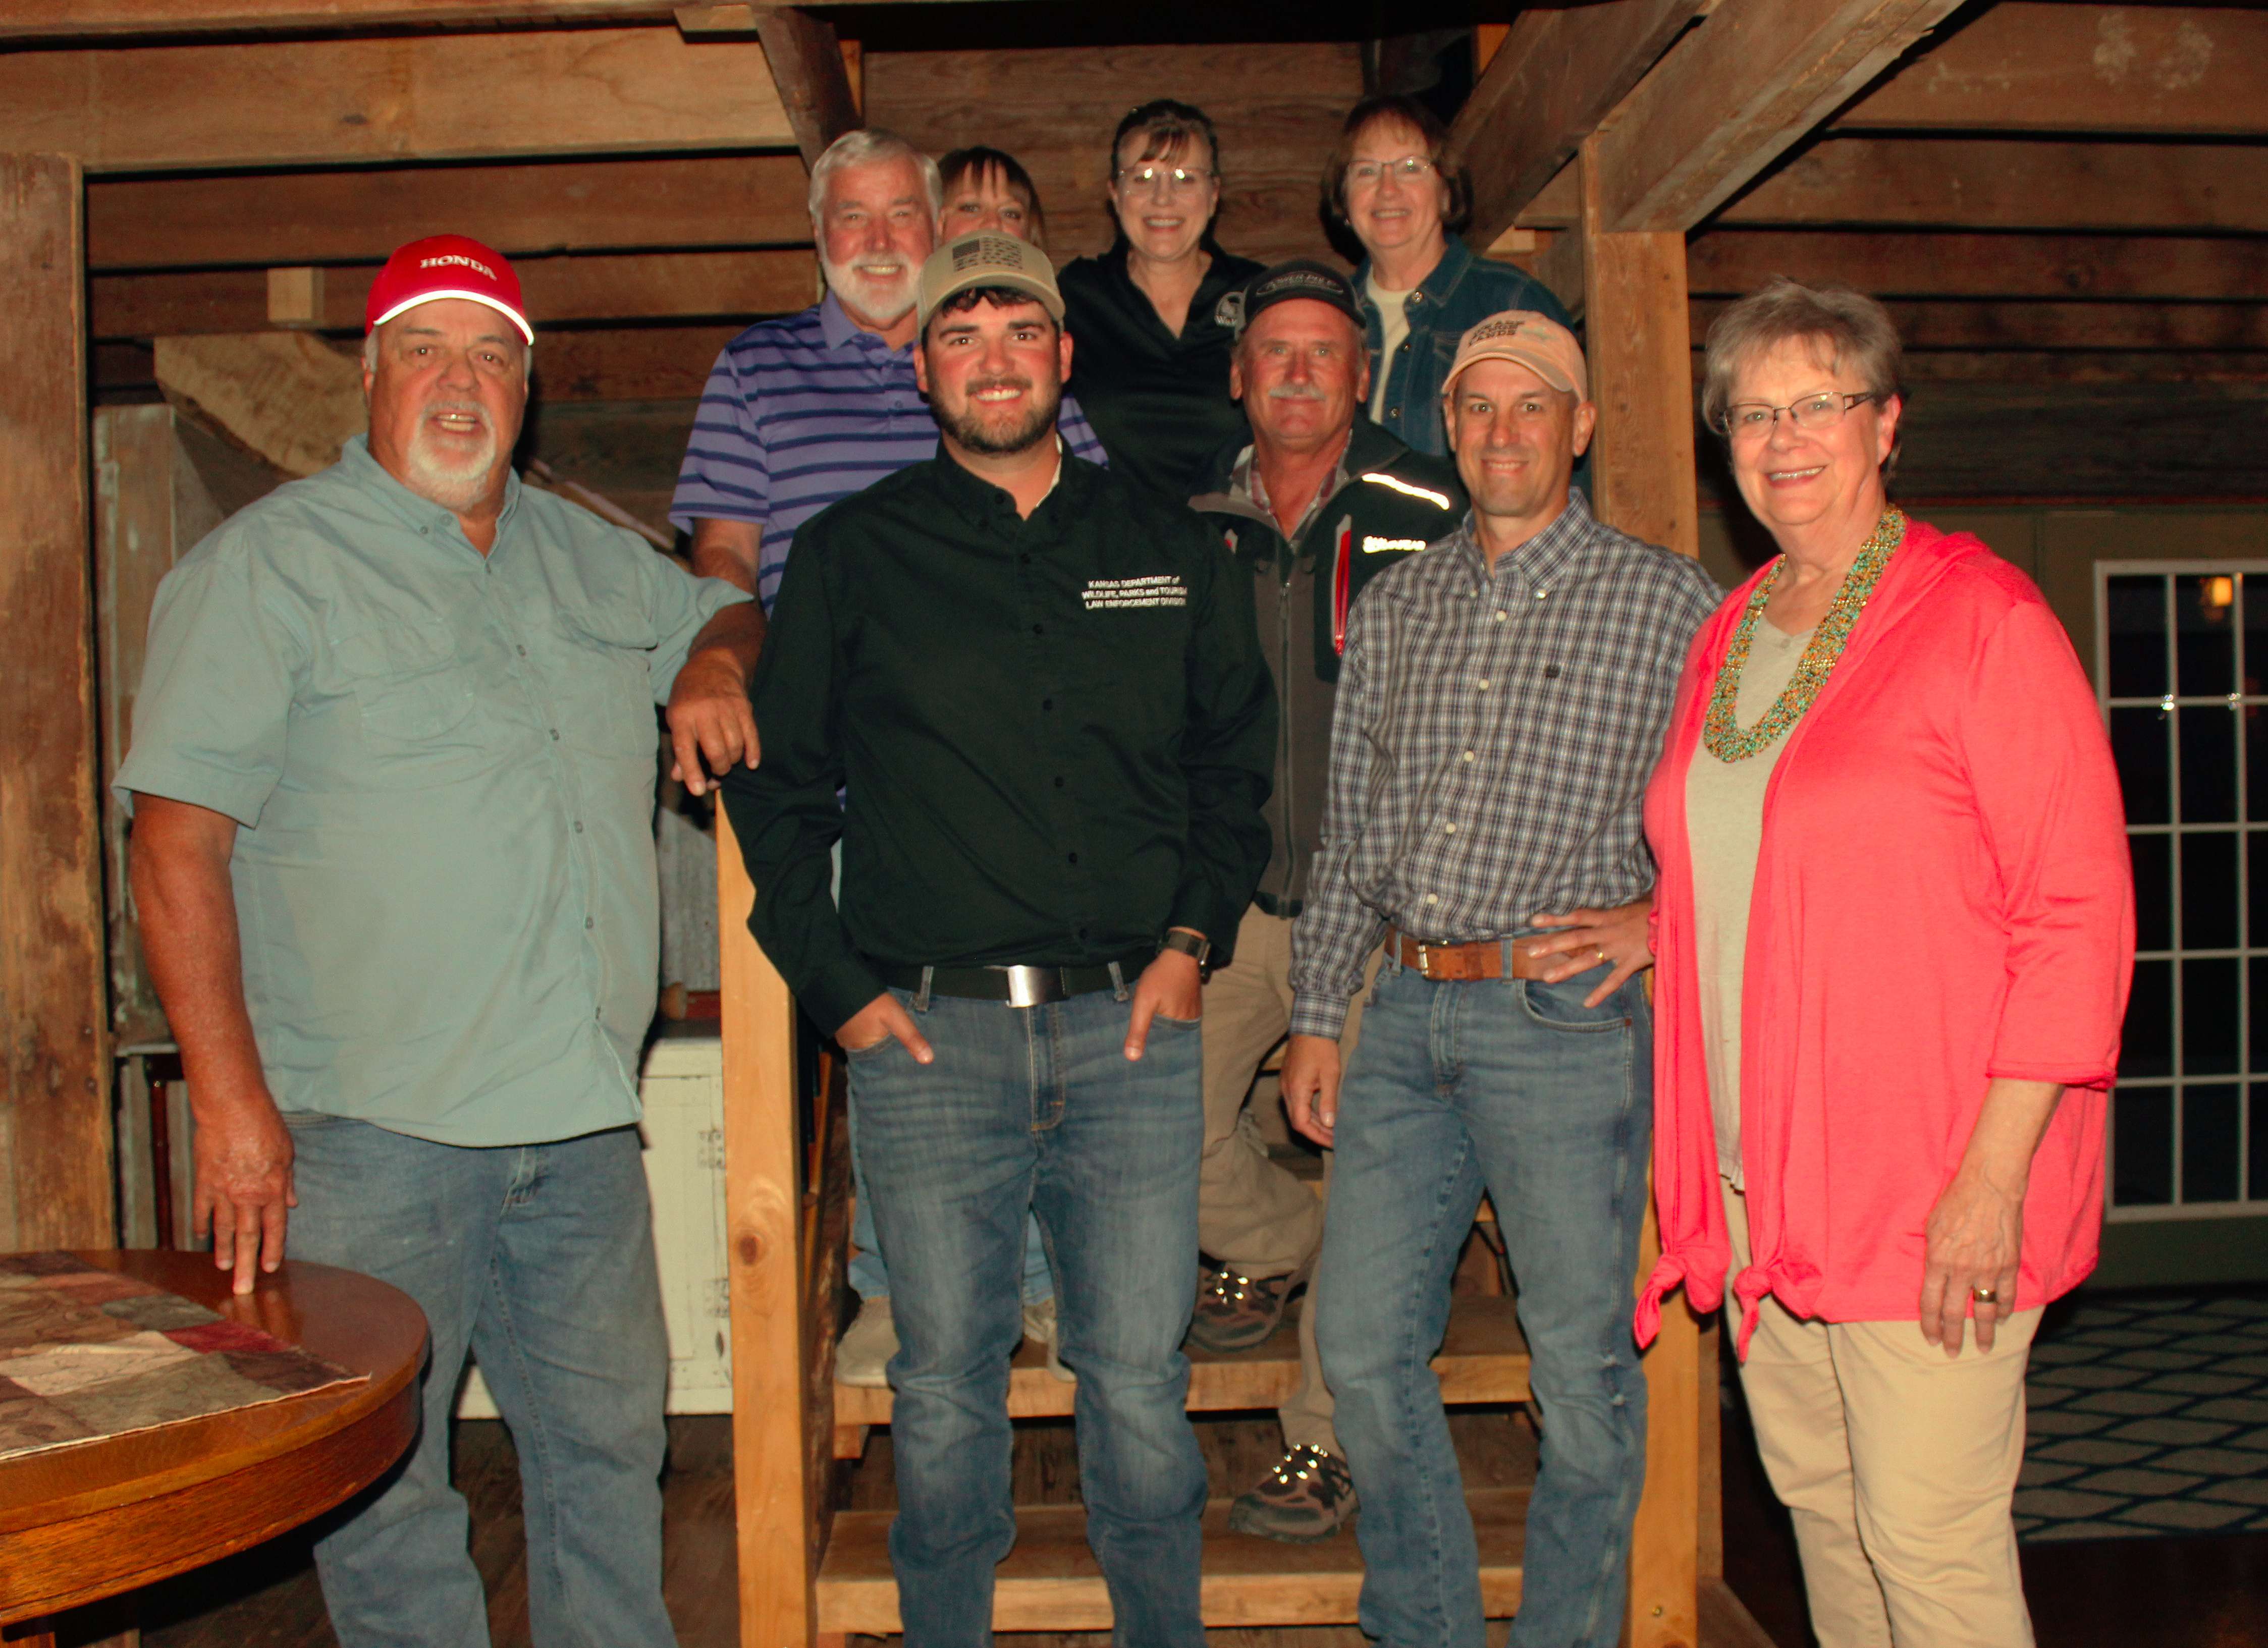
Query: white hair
[(864, 147), (370, 357)]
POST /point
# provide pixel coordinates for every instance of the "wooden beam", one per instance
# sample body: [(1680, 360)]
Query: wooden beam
[(764, 1203), (1972, 324), (55, 1186), (2024, 66), (656, 363), (422, 96), (1555, 77), (120, 20), (559, 290), (1753, 80), (290, 398), (807, 64), (360, 215), (2015, 183), (1730, 262)]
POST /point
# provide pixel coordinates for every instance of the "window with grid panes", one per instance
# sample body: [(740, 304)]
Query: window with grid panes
[(2182, 663)]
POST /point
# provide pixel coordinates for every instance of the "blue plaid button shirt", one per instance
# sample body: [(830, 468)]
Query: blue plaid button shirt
[(1493, 737)]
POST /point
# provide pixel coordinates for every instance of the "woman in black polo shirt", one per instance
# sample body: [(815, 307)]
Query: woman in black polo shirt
[(1151, 360)]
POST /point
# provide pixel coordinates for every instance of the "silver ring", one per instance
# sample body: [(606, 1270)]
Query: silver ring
[(1984, 1295)]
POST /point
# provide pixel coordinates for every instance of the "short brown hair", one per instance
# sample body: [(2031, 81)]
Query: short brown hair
[(976, 159), (1409, 111), (1854, 329)]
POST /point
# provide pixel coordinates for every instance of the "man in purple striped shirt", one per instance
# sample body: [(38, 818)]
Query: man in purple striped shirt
[(801, 411)]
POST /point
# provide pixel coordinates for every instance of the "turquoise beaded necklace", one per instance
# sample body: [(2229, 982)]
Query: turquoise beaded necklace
[(1720, 730)]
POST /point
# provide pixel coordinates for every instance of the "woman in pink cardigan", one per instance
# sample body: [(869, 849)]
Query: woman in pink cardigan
[(1894, 928)]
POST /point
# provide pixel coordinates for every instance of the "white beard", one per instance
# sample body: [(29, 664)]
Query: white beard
[(880, 301), (455, 483)]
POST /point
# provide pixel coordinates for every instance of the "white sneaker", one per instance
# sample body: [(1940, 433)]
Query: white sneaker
[(1040, 1328), (863, 1356)]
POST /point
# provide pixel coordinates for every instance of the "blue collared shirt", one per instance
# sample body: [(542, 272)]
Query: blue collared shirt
[(803, 411), (442, 766)]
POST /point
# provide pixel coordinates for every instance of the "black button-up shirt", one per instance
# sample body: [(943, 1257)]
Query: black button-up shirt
[(1054, 733)]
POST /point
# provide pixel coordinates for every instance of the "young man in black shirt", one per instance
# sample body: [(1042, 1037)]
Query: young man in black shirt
[(1041, 691)]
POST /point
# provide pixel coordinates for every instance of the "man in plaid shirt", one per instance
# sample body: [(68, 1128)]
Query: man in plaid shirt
[(1500, 708)]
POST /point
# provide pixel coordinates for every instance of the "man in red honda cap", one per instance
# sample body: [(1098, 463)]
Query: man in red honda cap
[(393, 781)]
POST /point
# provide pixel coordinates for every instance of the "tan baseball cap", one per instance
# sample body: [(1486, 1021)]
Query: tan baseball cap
[(986, 258), (1534, 341)]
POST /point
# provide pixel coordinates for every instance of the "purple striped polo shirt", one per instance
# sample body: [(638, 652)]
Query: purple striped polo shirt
[(804, 410)]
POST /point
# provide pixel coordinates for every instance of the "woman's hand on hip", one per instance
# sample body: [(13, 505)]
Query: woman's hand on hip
[(1618, 939), (1975, 1239)]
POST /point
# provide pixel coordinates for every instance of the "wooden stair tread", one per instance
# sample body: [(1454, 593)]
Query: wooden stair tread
[(1050, 1582), (1484, 1358)]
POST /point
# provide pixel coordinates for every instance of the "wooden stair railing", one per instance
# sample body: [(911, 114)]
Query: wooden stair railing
[(809, 1575)]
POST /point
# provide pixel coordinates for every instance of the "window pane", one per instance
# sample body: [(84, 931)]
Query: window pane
[(2205, 634), (2209, 1018), (2143, 1170), (2256, 1148), (2256, 919), (2138, 740), (2154, 887), (2209, 892), (2208, 735), (2258, 985), (2209, 1160), (2256, 744), (2146, 1048), (2135, 617)]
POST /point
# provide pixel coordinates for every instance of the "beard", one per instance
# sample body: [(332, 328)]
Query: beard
[(883, 299), (454, 480), (1003, 432)]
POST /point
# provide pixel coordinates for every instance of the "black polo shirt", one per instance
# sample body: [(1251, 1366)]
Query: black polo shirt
[(1159, 402), (1055, 733)]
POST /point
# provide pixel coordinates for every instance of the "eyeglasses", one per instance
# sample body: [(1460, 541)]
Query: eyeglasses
[(1409, 169), (1752, 420), (1177, 179)]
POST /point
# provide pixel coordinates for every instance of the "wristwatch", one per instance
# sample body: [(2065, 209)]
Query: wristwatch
[(1189, 945)]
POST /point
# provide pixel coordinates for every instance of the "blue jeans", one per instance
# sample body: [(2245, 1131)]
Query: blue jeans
[(869, 1277), (539, 1259), (1516, 1087), (1037, 1109)]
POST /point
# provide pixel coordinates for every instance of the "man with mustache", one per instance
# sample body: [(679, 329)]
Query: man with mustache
[(393, 784), (1038, 687), (1320, 502)]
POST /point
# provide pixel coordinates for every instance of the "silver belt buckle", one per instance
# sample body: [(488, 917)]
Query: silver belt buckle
[(1030, 986)]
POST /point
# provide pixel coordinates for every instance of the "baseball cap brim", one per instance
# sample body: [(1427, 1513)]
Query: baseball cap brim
[(483, 298)]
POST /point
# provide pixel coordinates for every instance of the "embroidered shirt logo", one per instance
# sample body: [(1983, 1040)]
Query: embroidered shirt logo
[(1159, 589), (1391, 546)]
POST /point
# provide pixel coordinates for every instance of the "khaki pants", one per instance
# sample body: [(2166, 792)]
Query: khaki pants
[(1253, 1212), (1898, 1466)]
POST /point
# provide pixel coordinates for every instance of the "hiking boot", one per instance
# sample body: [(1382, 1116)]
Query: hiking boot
[(1040, 1328), (863, 1356), (1306, 1499), (1234, 1311)]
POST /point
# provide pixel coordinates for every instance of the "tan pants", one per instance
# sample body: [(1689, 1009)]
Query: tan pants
[(1898, 1466), (1253, 1212)]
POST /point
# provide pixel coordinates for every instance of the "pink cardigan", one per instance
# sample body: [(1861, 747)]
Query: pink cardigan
[(1942, 896)]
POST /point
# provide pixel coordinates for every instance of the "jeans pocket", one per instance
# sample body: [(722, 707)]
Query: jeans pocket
[(1560, 1006), (873, 1050)]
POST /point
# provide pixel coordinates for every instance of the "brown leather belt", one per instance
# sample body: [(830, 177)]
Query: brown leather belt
[(1485, 958)]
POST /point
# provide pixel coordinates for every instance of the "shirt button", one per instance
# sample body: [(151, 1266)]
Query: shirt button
[(588, 923), (578, 822), (1484, 683), (1501, 616), (522, 650), (1432, 898), (1039, 629), (1541, 593), (1072, 857), (554, 735), (1449, 829), (1047, 703), (1468, 756), (1060, 783)]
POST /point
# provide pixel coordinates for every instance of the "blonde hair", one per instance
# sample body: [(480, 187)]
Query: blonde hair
[(1853, 331)]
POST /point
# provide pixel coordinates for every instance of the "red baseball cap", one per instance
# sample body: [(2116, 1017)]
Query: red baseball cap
[(445, 265)]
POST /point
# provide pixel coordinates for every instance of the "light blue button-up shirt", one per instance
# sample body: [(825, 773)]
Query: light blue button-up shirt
[(442, 765)]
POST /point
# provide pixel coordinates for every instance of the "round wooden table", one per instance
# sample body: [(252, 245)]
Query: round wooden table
[(96, 1519)]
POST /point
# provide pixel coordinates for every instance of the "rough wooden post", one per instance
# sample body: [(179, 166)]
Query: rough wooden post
[(772, 1458), (1639, 349), (55, 1074)]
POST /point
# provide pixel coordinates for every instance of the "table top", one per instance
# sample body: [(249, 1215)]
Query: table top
[(92, 1519)]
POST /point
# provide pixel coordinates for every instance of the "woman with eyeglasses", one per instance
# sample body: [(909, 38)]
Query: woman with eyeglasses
[(1391, 181), (1893, 932), (1150, 356)]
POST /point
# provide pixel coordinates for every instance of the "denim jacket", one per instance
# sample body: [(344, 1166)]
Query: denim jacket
[(1461, 291)]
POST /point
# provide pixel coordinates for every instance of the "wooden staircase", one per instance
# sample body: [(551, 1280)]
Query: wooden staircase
[(809, 1574)]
